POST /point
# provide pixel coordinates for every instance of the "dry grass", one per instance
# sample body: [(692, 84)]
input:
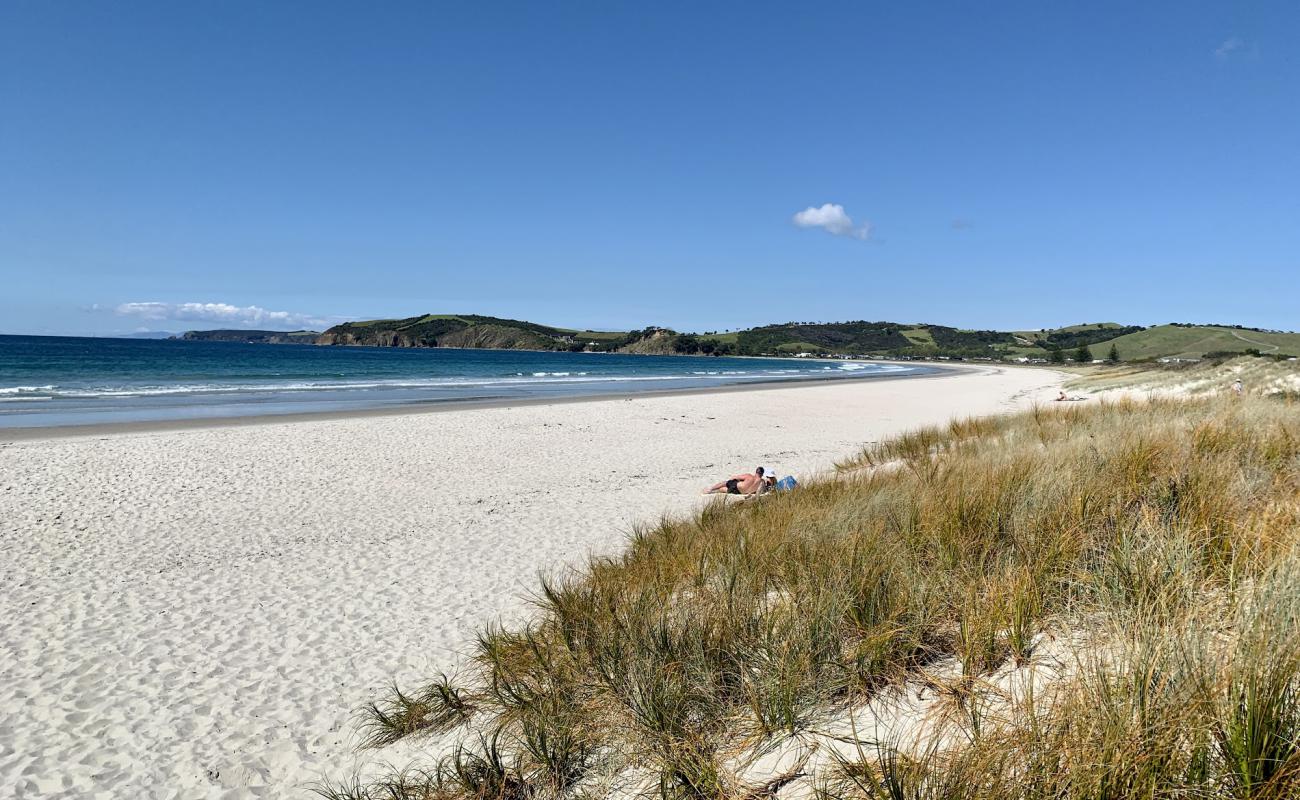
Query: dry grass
[(1262, 377), (1162, 535)]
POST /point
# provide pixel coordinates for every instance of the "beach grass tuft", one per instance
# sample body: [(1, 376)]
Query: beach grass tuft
[(437, 707)]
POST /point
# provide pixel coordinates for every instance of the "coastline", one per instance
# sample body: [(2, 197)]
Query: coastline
[(205, 609), (39, 432)]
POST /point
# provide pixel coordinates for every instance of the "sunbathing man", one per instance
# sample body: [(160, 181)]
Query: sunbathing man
[(746, 483)]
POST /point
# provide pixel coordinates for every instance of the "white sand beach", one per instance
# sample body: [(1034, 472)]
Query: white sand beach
[(198, 613)]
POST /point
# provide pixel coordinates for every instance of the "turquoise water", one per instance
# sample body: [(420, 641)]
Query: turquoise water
[(48, 380)]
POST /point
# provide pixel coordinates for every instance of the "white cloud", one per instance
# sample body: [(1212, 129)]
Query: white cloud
[(832, 218), (1230, 45), (221, 313)]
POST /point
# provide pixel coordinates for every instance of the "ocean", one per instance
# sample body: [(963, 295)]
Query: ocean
[(55, 380)]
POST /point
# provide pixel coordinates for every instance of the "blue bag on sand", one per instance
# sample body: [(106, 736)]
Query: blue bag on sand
[(787, 483)]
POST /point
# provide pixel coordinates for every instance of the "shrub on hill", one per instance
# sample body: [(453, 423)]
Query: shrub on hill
[(840, 337), (1220, 325), (968, 340), (1254, 352), (1067, 340)]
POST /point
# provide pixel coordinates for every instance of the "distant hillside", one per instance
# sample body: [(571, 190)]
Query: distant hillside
[(864, 338), (859, 338), (1075, 335), (790, 337), (472, 330), (898, 340), (1199, 341), (147, 335), (252, 337)]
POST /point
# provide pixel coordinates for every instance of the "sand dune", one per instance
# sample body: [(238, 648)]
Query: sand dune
[(197, 613)]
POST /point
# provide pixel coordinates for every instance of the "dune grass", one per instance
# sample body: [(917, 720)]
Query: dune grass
[(1159, 538), (1261, 377)]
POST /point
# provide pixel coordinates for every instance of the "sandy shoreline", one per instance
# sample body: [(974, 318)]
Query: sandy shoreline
[(197, 612), (22, 434)]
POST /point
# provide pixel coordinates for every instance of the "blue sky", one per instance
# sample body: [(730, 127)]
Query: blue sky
[(186, 165)]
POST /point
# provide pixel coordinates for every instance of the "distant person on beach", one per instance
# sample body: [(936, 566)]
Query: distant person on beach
[(1238, 387), (745, 483), (1061, 396)]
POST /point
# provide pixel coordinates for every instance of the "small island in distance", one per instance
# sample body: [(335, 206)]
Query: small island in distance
[(251, 336), (1097, 341)]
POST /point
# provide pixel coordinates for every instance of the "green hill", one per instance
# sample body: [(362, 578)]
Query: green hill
[(1197, 341), (928, 340), (444, 330), (477, 331), (860, 338), (1074, 335), (451, 330)]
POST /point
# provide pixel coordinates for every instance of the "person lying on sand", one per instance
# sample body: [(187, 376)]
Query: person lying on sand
[(745, 483)]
